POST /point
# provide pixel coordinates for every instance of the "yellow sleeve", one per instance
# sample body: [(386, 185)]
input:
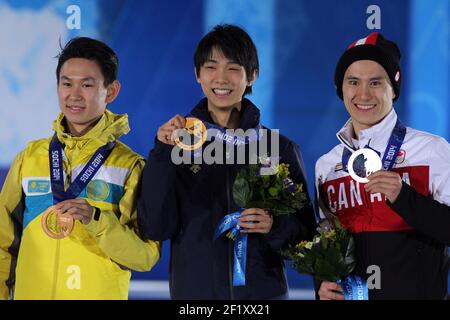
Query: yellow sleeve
[(119, 237), (11, 211)]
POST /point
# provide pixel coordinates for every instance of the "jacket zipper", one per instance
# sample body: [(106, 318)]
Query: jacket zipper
[(230, 243), (67, 182), (56, 268)]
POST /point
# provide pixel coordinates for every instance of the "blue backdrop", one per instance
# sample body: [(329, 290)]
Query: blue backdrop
[(299, 42)]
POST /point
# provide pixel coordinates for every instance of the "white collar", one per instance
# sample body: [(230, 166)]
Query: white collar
[(376, 136)]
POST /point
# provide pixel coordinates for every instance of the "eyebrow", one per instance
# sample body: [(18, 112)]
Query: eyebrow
[(215, 61), (371, 79), (82, 79)]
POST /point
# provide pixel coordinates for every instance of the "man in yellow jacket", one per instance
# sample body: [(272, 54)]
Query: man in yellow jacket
[(68, 219)]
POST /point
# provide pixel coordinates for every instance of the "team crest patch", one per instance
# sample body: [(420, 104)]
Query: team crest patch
[(401, 156), (195, 168), (98, 190), (38, 186)]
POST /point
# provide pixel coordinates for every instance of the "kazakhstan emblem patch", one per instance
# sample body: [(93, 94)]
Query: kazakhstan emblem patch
[(98, 190)]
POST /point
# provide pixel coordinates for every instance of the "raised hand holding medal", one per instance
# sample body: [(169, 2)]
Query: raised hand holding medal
[(188, 133), (365, 166), (78, 209), (388, 183), (166, 131), (365, 162)]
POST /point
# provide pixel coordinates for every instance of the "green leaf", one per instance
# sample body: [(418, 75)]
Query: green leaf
[(241, 192), (273, 191)]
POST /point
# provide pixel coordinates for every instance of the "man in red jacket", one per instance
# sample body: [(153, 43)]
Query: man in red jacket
[(398, 231)]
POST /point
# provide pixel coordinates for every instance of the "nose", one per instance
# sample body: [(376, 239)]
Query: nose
[(221, 76), (74, 93), (364, 92)]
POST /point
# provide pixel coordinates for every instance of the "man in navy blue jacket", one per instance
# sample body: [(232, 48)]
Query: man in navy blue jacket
[(185, 202)]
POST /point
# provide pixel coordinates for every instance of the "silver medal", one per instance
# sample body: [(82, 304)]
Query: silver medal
[(363, 163)]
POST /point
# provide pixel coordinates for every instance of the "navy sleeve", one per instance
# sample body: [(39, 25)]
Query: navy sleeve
[(293, 228), (423, 213), (157, 201)]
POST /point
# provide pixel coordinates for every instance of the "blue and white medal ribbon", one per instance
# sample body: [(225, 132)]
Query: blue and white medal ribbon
[(231, 222), (83, 178), (225, 136), (392, 149), (355, 288)]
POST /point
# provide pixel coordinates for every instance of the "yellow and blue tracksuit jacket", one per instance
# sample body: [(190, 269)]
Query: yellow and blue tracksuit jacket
[(94, 262)]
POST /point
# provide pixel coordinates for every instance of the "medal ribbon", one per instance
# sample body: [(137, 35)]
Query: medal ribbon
[(392, 149), (231, 222), (355, 288), (82, 180), (232, 139), (225, 137)]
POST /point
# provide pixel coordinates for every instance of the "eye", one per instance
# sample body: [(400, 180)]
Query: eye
[(66, 84), (353, 82), (375, 83), (210, 67), (87, 85)]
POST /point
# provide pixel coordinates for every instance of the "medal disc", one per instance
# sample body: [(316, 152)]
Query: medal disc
[(362, 163), (55, 224), (197, 134)]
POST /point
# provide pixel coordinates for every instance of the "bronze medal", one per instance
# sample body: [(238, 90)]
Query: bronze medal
[(57, 225)]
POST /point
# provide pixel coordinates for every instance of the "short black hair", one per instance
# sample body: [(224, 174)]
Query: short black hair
[(234, 43), (91, 49)]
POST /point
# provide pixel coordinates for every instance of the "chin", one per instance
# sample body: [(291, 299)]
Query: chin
[(224, 104)]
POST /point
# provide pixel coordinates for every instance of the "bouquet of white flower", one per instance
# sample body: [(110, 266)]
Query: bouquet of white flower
[(329, 256)]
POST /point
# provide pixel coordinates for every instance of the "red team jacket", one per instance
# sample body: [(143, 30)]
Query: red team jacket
[(413, 260)]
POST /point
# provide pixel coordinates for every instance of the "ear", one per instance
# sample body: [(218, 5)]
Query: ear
[(254, 77), (112, 91), (197, 76)]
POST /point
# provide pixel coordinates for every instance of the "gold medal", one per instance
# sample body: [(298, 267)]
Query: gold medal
[(195, 128), (57, 225)]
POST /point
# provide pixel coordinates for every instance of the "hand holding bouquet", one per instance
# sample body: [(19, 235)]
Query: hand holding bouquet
[(330, 257), (264, 185)]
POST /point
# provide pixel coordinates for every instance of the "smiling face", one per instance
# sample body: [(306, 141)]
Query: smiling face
[(223, 81), (367, 93), (82, 94)]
